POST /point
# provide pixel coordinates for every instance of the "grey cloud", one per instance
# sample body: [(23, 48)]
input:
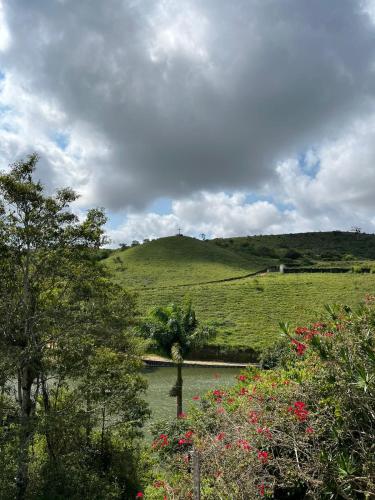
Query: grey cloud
[(237, 87)]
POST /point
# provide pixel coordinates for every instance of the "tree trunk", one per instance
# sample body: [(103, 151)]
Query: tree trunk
[(179, 389), (26, 430)]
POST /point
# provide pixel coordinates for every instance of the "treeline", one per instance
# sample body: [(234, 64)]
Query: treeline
[(71, 407)]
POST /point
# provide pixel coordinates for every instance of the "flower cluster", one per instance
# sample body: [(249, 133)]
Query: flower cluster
[(299, 410), (161, 442)]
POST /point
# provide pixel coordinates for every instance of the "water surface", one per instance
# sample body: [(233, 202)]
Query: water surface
[(197, 381)]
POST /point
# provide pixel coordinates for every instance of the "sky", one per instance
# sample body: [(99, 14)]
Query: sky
[(216, 117)]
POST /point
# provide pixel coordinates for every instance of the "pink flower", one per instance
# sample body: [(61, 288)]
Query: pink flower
[(309, 430), (182, 441), (220, 436), (242, 443), (253, 417)]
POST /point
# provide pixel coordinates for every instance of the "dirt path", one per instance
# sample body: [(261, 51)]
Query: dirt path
[(154, 359)]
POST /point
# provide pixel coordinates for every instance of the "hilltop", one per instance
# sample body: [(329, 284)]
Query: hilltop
[(179, 260)]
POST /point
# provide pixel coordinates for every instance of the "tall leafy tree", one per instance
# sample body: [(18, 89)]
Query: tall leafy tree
[(175, 330), (63, 339)]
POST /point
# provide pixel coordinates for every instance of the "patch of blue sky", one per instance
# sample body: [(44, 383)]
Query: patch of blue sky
[(61, 140), (161, 206), (115, 219), (2, 75), (8, 127), (4, 109), (309, 163)]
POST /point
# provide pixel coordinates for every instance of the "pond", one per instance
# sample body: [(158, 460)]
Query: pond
[(197, 381)]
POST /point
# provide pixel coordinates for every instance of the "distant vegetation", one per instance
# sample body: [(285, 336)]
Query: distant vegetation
[(246, 311)]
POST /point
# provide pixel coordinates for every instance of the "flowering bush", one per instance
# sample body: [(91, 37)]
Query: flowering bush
[(305, 430)]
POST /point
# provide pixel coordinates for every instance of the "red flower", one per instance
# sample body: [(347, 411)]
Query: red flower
[(139, 495), (243, 391), (161, 441), (228, 446), (189, 434), (300, 348), (182, 441), (309, 430), (242, 378), (220, 436), (196, 398), (182, 415), (261, 489), (263, 456), (299, 410)]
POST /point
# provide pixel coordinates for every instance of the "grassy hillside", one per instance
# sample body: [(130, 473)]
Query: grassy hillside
[(247, 311), (179, 260)]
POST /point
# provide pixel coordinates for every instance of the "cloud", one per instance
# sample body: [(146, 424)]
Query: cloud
[(170, 99), (215, 215)]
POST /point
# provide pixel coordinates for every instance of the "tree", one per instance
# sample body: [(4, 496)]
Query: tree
[(61, 320), (175, 330)]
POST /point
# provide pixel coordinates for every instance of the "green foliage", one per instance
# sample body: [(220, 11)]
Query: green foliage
[(175, 330), (70, 388)]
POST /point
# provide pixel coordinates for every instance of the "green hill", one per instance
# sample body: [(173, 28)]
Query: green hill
[(247, 311), (179, 260)]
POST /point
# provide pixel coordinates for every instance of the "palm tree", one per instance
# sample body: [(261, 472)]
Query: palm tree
[(175, 330)]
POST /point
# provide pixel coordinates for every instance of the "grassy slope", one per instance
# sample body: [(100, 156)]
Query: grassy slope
[(246, 312), (176, 261)]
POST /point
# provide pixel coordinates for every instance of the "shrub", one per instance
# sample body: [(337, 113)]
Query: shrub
[(292, 254), (303, 431)]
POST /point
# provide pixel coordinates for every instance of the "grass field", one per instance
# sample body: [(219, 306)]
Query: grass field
[(247, 311)]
